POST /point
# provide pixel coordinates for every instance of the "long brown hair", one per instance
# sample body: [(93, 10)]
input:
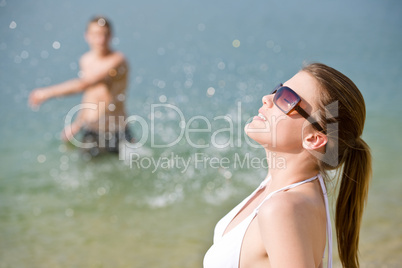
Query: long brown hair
[(346, 152)]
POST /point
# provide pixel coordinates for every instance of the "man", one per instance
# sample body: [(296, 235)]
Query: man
[(103, 81)]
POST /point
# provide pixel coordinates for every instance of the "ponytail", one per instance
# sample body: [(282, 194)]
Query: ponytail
[(348, 153), (351, 200)]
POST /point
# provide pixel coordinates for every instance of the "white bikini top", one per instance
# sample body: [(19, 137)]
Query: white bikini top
[(225, 251)]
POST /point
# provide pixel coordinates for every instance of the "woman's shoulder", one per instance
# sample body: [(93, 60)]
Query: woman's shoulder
[(287, 206), (292, 223)]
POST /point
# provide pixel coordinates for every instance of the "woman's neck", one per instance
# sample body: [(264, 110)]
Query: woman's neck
[(286, 169)]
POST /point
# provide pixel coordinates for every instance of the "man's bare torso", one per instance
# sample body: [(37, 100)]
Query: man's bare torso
[(105, 98)]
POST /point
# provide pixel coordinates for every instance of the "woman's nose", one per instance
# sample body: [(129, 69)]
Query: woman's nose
[(267, 100)]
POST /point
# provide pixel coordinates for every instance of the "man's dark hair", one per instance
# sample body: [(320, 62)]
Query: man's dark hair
[(101, 21)]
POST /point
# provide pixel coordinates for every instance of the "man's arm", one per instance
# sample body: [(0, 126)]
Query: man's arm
[(40, 95), (73, 86)]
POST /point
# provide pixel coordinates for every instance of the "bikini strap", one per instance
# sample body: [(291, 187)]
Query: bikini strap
[(329, 226), (324, 191), (284, 189)]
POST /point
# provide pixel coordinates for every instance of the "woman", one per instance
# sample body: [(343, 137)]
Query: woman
[(315, 122)]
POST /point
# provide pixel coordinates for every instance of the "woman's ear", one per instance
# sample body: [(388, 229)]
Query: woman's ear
[(314, 141)]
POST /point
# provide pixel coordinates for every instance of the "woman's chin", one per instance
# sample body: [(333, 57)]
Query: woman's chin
[(257, 127), (246, 128), (257, 135)]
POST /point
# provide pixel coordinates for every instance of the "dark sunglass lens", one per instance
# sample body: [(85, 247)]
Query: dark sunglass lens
[(285, 99)]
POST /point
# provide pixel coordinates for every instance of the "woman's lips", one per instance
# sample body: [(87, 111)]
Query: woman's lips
[(261, 117)]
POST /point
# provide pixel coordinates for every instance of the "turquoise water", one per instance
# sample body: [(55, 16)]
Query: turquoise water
[(58, 209)]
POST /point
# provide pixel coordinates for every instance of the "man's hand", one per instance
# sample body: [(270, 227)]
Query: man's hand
[(37, 97)]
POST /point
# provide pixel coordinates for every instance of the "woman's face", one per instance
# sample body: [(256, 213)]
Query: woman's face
[(279, 132)]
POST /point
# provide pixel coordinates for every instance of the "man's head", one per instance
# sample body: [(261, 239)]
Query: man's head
[(98, 34)]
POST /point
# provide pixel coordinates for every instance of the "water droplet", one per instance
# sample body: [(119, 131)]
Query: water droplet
[(44, 54), (13, 25), (221, 65), (112, 72), (17, 59), (62, 148), (236, 43), (112, 107), (64, 159), (189, 76), (161, 84), (188, 83), (249, 98), (210, 91), (41, 158), (121, 97), (73, 66), (24, 54), (277, 49), (227, 174), (64, 166), (162, 98), (242, 86), (210, 185), (158, 114), (56, 45), (138, 79), (101, 22), (101, 191)]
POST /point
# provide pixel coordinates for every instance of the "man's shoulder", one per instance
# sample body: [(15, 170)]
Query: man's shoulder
[(86, 57), (116, 59), (114, 56), (119, 56)]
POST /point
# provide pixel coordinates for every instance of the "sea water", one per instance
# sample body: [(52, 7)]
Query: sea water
[(195, 65)]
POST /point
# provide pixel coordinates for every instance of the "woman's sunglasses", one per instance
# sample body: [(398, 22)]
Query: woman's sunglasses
[(287, 101)]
